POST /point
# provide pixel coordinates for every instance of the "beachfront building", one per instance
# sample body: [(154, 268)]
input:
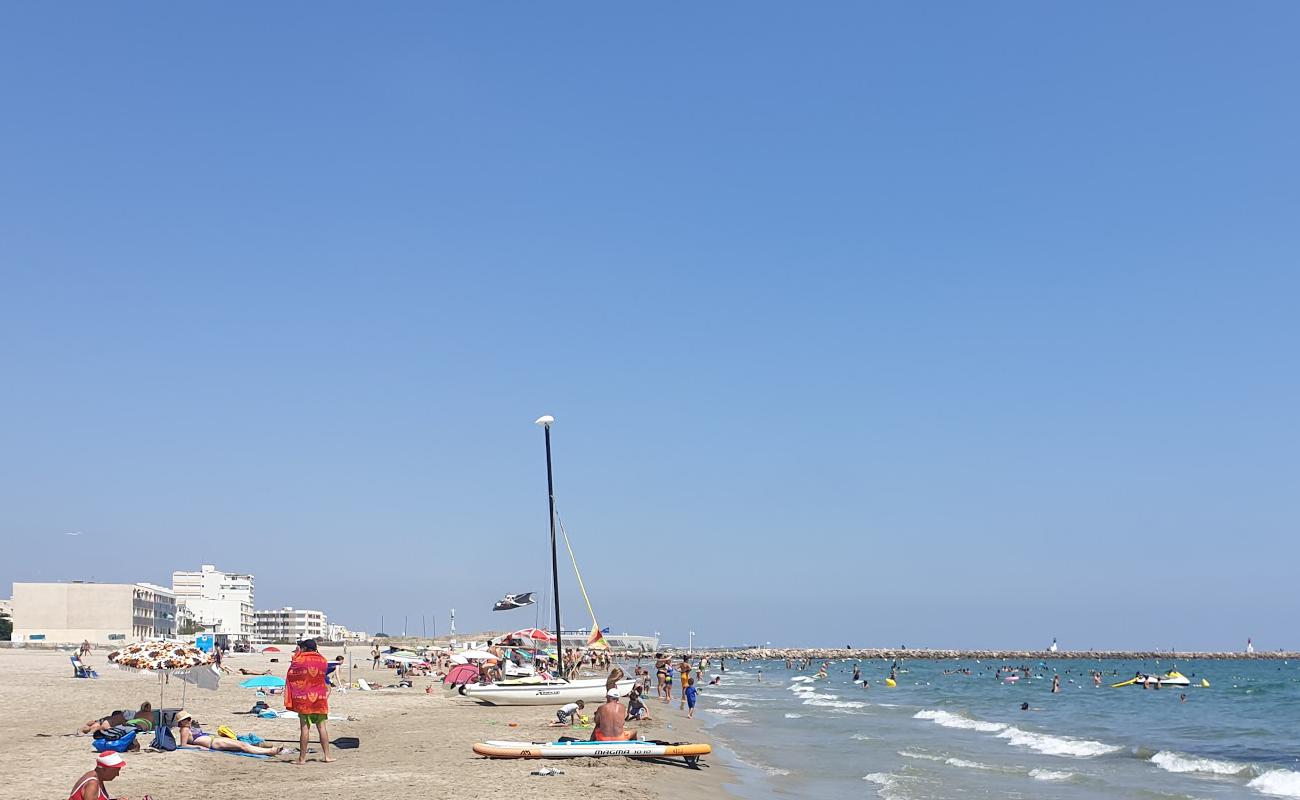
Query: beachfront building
[(219, 602), (340, 633), (111, 614), (6, 607), (289, 625)]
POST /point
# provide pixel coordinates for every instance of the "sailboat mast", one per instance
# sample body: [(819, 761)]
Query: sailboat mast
[(555, 568)]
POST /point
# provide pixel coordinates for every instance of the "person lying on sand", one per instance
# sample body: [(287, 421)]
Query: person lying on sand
[(191, 735), (115, 718), (243, 671), (104, 723)]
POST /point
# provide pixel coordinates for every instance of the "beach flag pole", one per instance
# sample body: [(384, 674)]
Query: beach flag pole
[(546, 422)]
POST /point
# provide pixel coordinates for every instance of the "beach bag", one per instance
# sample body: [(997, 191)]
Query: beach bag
[(118, 745), (227, 732), (163, 740)]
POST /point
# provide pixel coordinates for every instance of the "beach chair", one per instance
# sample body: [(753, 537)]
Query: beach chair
[(80, 670)]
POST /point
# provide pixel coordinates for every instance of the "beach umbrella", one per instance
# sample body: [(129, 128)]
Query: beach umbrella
[(159, 657), (186, 661), (532, 635), (471, 655), (270, 649), (262, 681), (463, 673), (405, 659)]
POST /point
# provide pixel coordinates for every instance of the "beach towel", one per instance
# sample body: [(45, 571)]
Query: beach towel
[(227, 752), (305, 690)]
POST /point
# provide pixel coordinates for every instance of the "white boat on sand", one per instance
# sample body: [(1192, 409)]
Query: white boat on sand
[(540, 692)]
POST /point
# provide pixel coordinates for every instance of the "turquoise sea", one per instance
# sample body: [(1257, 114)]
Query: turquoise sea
[(965, 736)]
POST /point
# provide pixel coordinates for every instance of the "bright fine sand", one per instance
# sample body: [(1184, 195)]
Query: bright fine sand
[(413, 744)]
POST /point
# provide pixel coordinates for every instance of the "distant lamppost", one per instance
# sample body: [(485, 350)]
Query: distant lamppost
[(690, 643)]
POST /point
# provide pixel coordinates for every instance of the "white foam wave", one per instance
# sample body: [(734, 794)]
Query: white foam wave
[(794, 716), (964, 764), (1177, 762), (722, 696), (801, 679), (774, 770), (1050, 775), (862, 737), (734, 703), (1278, 783), (802, 687), (725, 712), (841, 704), (1056, 745), (885, 781), (921, 756), (950, 761), (950, 720)]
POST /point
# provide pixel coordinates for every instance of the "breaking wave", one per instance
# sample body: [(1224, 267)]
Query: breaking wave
[(1057, 745), (949, 720)]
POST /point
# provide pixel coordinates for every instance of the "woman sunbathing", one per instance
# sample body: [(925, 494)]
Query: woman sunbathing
[(243, 671), (191, 735)]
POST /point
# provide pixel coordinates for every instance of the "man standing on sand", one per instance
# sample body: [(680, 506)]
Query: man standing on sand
[(306, 692), (609, 721), (91, 785)]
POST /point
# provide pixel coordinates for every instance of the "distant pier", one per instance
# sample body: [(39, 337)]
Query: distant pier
[(1008, 656)]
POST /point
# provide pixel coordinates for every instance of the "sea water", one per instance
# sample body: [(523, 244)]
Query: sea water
[(965, 736)]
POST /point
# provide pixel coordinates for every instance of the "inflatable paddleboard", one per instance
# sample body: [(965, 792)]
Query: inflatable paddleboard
[(585, 749)]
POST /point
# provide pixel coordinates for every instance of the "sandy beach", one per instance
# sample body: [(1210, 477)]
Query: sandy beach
[(413, 743)]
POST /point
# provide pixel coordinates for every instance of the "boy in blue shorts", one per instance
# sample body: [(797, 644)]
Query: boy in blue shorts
[(690, 693)]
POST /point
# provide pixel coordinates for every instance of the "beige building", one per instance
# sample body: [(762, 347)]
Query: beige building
[(102, 613)]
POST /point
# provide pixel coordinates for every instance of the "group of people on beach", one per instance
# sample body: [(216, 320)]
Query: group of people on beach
[(115, 733), (666, 670)]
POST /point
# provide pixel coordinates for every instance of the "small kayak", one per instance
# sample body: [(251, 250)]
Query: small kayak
[(587, 749)]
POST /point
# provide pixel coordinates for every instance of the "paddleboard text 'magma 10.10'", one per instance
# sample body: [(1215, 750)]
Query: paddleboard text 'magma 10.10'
[(586, 749)]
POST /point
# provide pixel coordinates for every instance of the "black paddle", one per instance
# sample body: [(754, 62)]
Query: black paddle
[(342, 743)]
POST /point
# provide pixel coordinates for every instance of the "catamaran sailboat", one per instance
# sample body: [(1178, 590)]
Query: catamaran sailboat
[(536, 690)]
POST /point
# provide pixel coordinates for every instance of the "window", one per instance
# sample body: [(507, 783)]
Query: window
[(36, 637)]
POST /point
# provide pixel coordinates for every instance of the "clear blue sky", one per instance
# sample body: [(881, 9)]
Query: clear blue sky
[(871, 323)]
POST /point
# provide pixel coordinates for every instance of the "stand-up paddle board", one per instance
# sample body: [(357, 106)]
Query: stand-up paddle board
[(586, 749)]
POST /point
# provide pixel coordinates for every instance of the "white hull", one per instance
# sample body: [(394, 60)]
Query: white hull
[(543, 694)]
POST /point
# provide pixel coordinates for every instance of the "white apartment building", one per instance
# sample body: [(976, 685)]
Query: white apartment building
[(289, 625), (220, 602), (340, 633), (112, 614)]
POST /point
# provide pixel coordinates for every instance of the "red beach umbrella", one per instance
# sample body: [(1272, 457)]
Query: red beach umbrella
[(533, 635)]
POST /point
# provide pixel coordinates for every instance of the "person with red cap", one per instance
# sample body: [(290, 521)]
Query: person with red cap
[(91, 785)]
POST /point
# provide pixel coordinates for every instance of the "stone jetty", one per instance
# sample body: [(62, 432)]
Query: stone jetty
[(1006, 656)]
